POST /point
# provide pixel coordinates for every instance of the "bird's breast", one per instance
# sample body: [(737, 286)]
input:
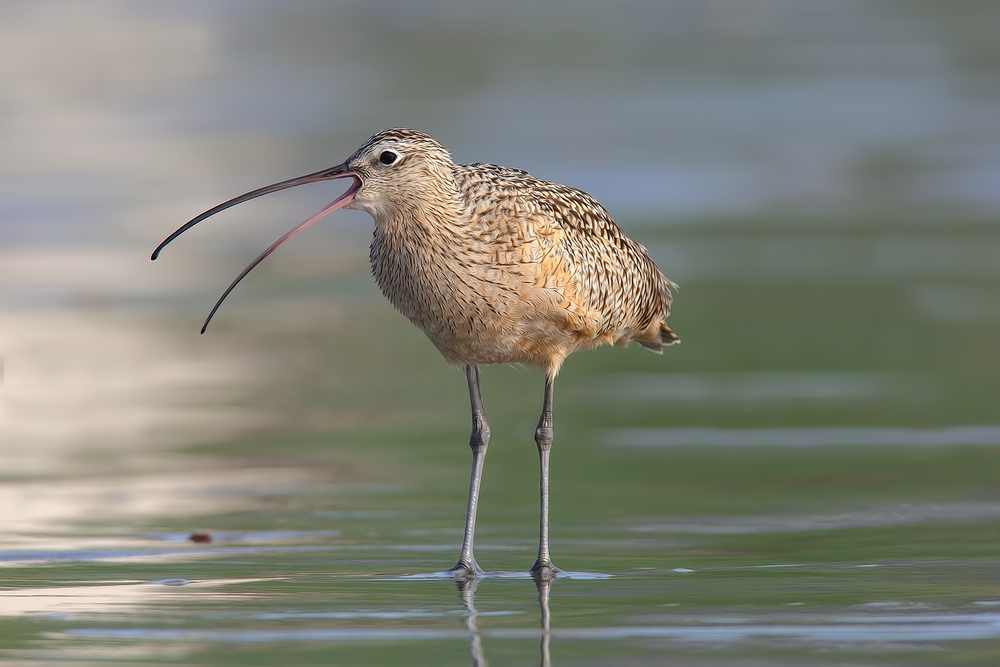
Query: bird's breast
[(427, 281), (478, 300)]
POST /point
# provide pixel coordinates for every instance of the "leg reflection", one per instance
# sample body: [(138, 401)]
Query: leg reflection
[(544, 585), (467, 593)]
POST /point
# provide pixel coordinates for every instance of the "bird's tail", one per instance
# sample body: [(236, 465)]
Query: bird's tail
[(667, 337)]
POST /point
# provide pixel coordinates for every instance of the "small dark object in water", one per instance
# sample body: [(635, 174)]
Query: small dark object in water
[(200, 538)]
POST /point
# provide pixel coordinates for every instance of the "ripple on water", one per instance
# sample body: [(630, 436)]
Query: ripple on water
[(109, 597), (835, 629), (876, 516), (803, 437), (11, 558)]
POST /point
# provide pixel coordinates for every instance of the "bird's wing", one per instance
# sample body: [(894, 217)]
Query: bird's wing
[(562, 245)]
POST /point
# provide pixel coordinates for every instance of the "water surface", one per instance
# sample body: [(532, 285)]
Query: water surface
[(810, 477)]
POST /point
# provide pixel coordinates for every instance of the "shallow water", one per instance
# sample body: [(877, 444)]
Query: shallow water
[(348, 603), (810, 477), (297, 573)]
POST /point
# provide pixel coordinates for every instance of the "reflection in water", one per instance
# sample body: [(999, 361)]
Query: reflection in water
[(467, 593), (110, 599), (544, 584), (880, 625)]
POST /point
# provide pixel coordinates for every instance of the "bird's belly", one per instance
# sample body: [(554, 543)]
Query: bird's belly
[(477, 330), (476, 322), (498, 342)]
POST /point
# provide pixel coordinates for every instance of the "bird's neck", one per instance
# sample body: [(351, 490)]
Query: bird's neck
[(430, 212)]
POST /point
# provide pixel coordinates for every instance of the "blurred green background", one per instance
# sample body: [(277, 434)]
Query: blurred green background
[(822, 179)]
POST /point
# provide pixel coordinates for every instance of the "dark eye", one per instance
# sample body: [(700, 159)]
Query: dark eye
[(388, 157)]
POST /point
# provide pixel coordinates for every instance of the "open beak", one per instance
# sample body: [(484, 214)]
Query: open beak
[(340, 171)]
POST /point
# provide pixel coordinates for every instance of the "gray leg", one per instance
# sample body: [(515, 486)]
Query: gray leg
[(479, 441), (543, 438)]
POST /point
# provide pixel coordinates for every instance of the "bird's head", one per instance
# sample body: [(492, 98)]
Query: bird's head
[(394, 170), (400, 169)]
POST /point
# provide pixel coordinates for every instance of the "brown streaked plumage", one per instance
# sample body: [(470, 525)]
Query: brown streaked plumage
[(494, 266)]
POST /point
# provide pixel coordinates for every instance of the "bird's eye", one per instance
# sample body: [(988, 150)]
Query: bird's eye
[(388, 157)]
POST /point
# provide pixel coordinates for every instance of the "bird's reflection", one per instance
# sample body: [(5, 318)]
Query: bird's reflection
[(544, 584), (467, 594)]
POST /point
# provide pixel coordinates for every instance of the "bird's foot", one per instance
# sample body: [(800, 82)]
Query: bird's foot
[(544, 570), (466, 568)]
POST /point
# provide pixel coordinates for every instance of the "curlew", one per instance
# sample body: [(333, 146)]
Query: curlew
[(495, 267)]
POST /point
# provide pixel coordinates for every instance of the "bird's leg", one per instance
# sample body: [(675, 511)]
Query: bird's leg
[(479, 441), (543, 438)]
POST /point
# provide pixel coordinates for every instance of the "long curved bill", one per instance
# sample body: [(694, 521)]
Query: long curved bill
[(340, 171)]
